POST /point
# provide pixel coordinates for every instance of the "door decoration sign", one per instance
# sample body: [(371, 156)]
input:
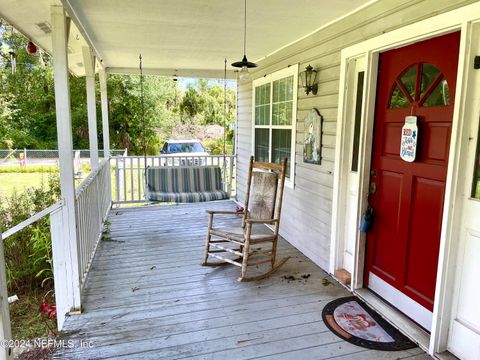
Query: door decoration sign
[(408, 145)]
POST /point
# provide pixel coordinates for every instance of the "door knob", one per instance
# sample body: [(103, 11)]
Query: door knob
[(373, 188)]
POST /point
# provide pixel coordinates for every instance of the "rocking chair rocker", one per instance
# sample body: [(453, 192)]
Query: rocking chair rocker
[(265, 198)]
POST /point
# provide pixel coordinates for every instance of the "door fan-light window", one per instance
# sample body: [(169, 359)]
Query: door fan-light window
[(420, 84)]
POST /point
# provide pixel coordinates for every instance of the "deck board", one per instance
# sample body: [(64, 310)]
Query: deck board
[(147, 297)]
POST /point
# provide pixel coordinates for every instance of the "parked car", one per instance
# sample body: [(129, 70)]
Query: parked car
[(184, 152)]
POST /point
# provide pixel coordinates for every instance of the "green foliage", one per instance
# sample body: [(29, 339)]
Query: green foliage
[(27, 104), (27, 322), (27, 94), (85, 168), (128, 128), (28, 253), (191, 103), (215, 147), (6, 115), (203, 104), (29, 169)]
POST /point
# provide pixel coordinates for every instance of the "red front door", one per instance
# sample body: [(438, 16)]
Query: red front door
[(403, 244)]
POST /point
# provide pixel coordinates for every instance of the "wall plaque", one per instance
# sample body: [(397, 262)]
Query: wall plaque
[(312, 145)]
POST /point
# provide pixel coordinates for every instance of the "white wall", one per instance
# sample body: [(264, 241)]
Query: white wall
[(306, 217)]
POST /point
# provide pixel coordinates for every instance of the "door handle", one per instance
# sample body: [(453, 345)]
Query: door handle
[(373, 188)]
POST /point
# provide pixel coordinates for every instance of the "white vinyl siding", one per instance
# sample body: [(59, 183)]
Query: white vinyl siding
[(307, 209)]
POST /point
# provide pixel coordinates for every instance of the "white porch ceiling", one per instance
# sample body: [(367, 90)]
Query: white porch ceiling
[(28, 17), (187, 37)]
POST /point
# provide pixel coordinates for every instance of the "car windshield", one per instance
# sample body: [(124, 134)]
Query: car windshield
[(185, 148)]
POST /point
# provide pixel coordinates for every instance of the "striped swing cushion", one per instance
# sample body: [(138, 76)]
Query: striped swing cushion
[(184, 184)]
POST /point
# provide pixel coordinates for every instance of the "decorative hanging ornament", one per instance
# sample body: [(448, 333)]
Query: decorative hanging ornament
[(31, 48), (408, 144)]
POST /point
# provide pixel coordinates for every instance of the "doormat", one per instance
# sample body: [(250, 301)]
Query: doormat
[(352, 320)]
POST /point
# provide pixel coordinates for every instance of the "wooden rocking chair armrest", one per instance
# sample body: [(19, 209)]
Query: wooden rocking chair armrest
[(261, 221), (213, 212)]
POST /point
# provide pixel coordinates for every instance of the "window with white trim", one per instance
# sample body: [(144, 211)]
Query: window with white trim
[(274, 118)]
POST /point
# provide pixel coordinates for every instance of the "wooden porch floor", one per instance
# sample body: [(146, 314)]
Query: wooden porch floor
[(147, 297)]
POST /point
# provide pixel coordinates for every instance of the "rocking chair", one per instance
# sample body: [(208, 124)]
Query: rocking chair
[(265, 198)]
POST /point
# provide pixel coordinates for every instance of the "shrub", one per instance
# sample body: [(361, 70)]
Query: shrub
[(28, 253), (29, 169), (85, 168), (215, 147)]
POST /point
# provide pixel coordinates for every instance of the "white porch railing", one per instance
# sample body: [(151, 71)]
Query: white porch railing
[(5, 327), (130, 173), (94, 200)]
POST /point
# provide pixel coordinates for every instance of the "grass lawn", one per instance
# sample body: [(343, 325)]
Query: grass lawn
[(19, 181)]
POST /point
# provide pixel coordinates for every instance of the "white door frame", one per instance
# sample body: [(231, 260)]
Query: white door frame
[(456, 20), (464, 334)]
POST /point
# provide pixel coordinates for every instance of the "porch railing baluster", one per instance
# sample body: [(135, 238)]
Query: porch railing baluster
[(117, 181), (132, 193), (92, 209), (124, 178), (139, 176), (230, 175)]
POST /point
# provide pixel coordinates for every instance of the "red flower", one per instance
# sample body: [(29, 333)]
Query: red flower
[(44, 308), (52, 312)]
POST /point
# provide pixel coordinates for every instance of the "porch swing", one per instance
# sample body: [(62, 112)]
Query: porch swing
[(182, 184)]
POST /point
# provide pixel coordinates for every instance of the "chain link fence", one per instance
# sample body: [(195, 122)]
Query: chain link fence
[(34, 157)]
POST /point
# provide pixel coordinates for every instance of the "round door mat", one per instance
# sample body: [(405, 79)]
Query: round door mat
[(353, 321)]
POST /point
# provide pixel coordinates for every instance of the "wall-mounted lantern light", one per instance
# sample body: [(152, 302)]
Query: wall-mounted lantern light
[(308, 79)]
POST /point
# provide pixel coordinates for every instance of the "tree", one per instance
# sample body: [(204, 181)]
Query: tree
[(26, 88), (203, 103), (128, 128), (192, 103), (27, 104)]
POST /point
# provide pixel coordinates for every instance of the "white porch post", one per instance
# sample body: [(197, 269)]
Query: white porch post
[(68, 257), (105, 127), (5, 330), (104, 100), (89, 62)]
